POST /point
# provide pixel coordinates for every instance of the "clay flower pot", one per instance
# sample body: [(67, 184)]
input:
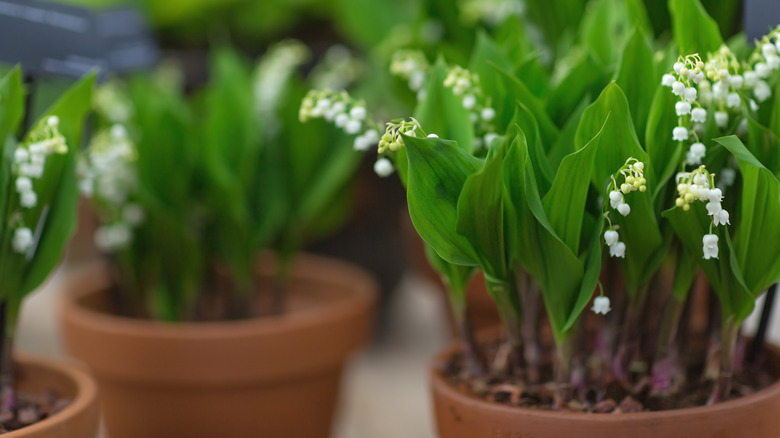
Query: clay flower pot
[(461, 415), (79, 419), (264, 377)]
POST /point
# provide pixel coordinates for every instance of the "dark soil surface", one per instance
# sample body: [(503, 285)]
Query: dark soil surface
[(31, 408), (608, 396)]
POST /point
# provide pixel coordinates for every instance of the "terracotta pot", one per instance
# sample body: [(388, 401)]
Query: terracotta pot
[(461, 415), (79, 419), (265, 377)]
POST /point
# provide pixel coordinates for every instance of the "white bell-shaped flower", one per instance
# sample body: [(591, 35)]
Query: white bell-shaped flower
[(710, 246), (601, 305)]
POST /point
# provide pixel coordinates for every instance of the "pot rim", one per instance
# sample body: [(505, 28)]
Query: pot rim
[(439, 383), (86, 395), (362, 295)]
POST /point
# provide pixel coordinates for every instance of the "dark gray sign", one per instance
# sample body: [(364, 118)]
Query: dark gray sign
[(52, 38), (761, 16)]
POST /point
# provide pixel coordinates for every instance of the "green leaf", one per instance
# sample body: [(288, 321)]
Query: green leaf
[(617, 135), (11, 103), (524, 120), (596, 29), (763, 144), (757, 252), (694, 30), (636, 77), (586, 76), (515, 91), (664, 152), (441, 112), (60, 184), (438, 169), (565, 202), (481, 216)]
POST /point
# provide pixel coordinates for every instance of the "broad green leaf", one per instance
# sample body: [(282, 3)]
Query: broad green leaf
[(515, 91), (11, 103), (586, 76), (438, 169), (693, 29), (564, 145), (636, 77), (596, 29), (757, 252), (589, 279), (763, 144), (723, 273), (617, 141), (565, 202), (684, 274), (665, 153), (524, 119), (59, 220), (556, 18), (637, 13), (535, 244), (481, 216), (441, 112), (618, 137)]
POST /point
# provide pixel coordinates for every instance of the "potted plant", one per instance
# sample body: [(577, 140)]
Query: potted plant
[(553, 196), (39, 397), (205, 321)]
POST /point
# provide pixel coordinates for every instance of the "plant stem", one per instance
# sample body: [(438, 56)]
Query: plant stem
[(667, 376), (563, 391), (7, 370), (510, 310), (729, 334), (531, 299), (758, 340)]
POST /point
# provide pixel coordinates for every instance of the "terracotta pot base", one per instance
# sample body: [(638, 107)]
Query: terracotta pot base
[(79, 419), (462, 415), (264, 377)]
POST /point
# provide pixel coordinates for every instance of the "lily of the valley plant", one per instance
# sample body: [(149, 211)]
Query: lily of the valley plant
[(38, 196), (190, 190), (609, 182)]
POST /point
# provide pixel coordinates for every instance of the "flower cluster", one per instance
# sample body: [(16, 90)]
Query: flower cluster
[(697, 186), (107, 175), (411, 65), (465, 84), (392, 140), (337, 70), (344, 112), (688, 73), (492, 12), (270, 79), (633, 179), (718, 85), (28, 165)]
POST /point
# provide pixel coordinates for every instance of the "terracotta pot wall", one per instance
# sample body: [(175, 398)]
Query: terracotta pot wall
[(460, 415), (266, 377), (79, 419)]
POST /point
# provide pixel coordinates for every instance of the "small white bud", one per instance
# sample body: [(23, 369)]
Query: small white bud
[(23, 184), (624, 209), (678, 88), (53, 121), (610, 237), (618, 250), (690, 94), (601, 305), (22, 240), (699, 115), (358, 113), (432, 135), (488, 114), (21, 155), (469, 101), (352, 126), (28, 199), (383, 167), (733, 100), (721, 119), (680, 133), (710, 246), (682, 108), (667, 80)]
